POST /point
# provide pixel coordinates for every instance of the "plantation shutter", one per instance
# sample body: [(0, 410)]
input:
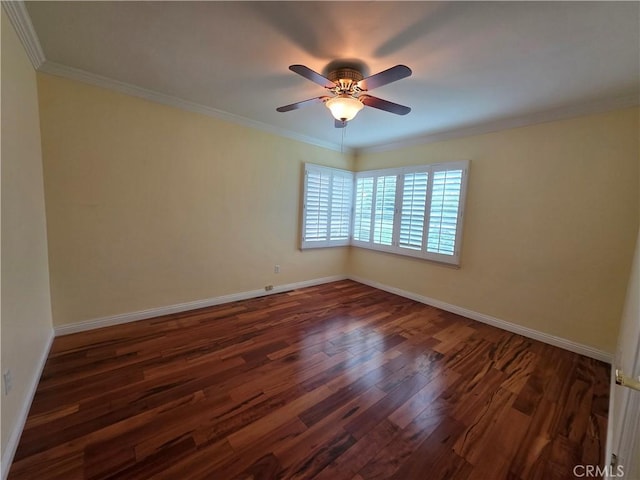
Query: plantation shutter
[(340, 218), (316, 205), (412, 214), (362, 210), (445, 206), (385, 199), (326, 206)]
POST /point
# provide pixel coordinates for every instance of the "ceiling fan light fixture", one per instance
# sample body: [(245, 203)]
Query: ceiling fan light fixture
[(344, 107)]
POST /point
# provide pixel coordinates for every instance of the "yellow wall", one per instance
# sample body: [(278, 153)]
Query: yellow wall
[(150, 206), (551, 221), (26, 308)]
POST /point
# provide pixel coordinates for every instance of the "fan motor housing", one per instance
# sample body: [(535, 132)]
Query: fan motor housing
[(346, 80), (345, 74), (348, 74)]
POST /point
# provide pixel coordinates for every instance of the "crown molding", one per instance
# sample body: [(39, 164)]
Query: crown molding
[(21, 21), (575, 110), (79, 75)]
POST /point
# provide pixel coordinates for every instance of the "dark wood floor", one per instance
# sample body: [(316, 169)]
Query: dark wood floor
[(338, 381)]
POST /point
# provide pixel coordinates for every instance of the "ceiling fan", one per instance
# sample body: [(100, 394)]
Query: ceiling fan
[(349, 88)]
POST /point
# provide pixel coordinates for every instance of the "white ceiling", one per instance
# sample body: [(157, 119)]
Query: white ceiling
[(472, 62)]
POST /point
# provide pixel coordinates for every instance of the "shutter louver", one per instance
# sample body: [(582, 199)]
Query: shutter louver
[(414, 196), (317, 205), (445, 204)]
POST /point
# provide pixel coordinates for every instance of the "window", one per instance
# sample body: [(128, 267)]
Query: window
[(326, 219), (415, 211)]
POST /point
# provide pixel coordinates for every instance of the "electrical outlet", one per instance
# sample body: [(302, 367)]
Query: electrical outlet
[(7, 382), (268, 288), (276, 269)]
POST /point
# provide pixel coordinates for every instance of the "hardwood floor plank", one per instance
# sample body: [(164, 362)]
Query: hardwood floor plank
[(477, 399), (594, 443), (500, 445), (332, 422), (53, 465), (479, 432), (405, 442), (102, 463), (152, 465), (265, 468), (359, 426), (201, 465), (531, 450), (48, 417), (360, 454), (434, 454), (263, 426), (253, 452), (309, 458), (413, 407), (334, 382)]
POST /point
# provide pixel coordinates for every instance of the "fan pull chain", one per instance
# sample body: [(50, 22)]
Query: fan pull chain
[(342, 142)]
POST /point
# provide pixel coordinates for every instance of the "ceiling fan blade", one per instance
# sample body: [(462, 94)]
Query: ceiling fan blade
[(387, 76), (340, 123), (385, 105), (309, 74), (304, 103)]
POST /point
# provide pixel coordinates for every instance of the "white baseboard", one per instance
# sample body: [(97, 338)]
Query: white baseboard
[(183, 307), (560, 342), (14, 438)]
